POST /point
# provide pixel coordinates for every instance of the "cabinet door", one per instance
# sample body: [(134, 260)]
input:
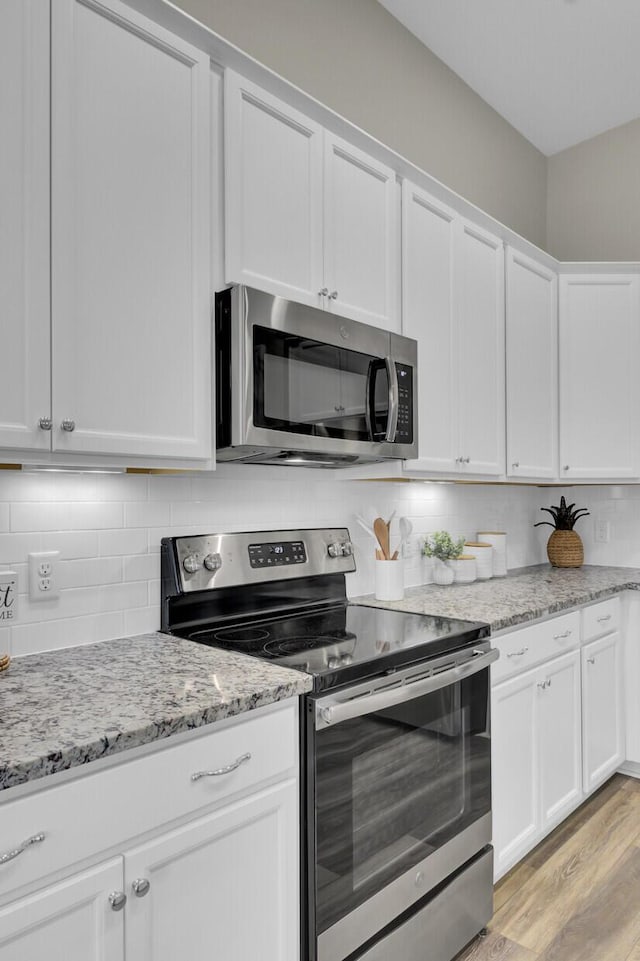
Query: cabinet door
[(515, 778), (72, 920), (480, 369), (599, 386), (532, 368), (225, 886), (24, 224), (130, 227), (273, 194), (360, 235), (428, 230), (559, 711), (603, 749)]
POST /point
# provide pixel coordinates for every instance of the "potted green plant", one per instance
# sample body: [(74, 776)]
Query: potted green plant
[(564, 547), (443, 548)]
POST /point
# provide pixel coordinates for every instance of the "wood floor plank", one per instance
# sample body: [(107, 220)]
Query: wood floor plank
[(541, 854), (495, 947), (635, 953), (547, 900), (511, 883), (630, 783), (607, 924)]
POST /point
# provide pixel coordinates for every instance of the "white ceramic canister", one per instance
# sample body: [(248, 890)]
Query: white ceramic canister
[(498, 540), (464, 569), (483, 554), (389, 580)]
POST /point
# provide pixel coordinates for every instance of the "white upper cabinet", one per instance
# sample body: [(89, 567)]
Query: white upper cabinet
[(307, 216), (360, 252), (599, 385), (428, 235), (273, 184), (532, 367), (453, 304), (479, 293), (131, 299), (24, 224)]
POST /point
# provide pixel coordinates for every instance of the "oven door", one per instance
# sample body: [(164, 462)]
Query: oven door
[(398, 795), (321, 383)]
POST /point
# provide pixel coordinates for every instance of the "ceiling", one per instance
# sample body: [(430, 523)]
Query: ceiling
[(560, 71)]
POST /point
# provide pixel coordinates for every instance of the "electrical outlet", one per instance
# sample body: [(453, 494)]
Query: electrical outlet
[(602, 531), (43, 581)]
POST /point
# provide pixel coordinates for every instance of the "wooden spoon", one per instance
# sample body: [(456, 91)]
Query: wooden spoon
[(381, 531)]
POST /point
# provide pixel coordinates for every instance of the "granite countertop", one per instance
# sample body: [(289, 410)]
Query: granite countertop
[(523, 595), (65, 708)]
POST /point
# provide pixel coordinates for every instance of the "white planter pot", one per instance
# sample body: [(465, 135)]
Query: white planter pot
[(443, 573)]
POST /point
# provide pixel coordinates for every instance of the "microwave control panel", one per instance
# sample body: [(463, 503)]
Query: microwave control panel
[(404, 433)]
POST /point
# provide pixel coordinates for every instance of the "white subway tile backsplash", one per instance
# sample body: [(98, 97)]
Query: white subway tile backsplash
[(108, 529)]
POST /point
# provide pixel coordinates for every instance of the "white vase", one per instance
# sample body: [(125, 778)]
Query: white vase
[(443, 573)]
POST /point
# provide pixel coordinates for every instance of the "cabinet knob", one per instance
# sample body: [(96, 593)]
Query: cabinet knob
[(45, 423), (566, 467), (117, 900), (68, 425), (140, 887), (333, 295), (323, 292), (515, 465)]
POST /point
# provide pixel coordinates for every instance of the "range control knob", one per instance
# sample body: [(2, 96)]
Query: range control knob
[(191, 563), (213, 562), (335, 549), (347, 549)]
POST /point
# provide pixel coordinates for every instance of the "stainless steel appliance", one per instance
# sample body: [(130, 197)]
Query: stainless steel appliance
[(300, 385), (395, 738)]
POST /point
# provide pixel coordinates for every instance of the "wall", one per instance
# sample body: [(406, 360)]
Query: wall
[(108, 529), (357, 59), (593, 189)]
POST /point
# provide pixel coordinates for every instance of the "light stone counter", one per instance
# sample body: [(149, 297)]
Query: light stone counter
[(68, 707), (523, 595)]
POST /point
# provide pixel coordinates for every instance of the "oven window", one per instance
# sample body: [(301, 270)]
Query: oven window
[(395, 785), (306, 387)]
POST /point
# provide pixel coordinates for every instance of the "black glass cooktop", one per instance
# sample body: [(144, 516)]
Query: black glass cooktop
[(339, 643)]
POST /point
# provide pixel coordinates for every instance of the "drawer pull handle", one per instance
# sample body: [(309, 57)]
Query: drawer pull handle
[(523, 650), (559, 637), (591, 660), (10, 855), (222, 770), (140, 887), (117, 900), (543, 685), (605, 617)]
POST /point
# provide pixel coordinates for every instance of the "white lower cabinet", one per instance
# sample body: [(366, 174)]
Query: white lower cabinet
[(219, 877), (219, 887), (602, 731), (535, 754), (72, 920), (557, 723)]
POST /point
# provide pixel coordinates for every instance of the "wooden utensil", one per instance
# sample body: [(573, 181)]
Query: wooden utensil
[(381, 531)]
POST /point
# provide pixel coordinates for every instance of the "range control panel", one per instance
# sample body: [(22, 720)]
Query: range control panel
[(282, 552)]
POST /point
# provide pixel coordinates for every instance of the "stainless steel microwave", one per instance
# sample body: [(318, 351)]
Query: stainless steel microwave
[(300, 385)]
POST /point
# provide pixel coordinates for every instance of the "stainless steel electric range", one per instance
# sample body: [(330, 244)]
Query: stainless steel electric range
[(395, 738)]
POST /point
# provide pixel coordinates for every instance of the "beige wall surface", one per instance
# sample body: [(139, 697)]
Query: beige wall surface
[(593, 208), (353, 56)]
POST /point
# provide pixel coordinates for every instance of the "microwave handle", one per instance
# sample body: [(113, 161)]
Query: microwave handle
[(329, 712), (392, 420), (389, 435)]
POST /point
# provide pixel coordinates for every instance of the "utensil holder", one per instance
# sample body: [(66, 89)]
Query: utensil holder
[(389, 580)]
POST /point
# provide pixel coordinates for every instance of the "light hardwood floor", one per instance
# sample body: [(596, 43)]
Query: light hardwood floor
[(576, 897)]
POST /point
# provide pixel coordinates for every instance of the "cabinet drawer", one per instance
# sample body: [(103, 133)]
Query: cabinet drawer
[(101, 811), (602, 618), (529, 646)]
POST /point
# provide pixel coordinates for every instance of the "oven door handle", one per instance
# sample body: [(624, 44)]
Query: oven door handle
[(329, 711)]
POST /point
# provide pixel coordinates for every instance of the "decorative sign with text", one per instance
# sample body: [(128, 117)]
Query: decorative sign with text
[(8, 597)]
